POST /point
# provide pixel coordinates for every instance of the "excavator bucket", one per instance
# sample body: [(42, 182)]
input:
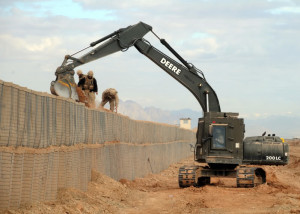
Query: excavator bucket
[(64, 86)]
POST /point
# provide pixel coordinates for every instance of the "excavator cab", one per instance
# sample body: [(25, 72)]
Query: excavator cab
[(219, 138)]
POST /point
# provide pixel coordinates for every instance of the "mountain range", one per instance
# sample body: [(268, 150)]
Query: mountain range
[(284, 126), (137, 112)]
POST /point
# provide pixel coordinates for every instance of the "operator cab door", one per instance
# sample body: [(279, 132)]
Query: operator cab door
[(219, 145)]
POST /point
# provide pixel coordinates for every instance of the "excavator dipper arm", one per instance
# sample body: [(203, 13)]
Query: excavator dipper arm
[(125, 38)]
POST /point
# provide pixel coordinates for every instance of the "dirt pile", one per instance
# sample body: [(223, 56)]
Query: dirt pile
[(159, 193)]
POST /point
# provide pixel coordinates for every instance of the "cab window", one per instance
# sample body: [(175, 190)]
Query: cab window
[(219, 137)]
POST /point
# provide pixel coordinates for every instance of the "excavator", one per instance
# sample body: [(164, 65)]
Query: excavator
[(220, 135)]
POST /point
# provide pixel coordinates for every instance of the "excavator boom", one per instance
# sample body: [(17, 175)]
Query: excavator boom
[(125, 38)]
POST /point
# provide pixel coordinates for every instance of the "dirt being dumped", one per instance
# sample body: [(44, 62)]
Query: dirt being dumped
[(159, 193)]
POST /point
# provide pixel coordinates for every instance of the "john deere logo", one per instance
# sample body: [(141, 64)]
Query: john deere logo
[(169, 65)]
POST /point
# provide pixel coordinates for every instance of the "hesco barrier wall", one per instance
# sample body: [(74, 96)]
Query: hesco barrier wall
[(49, 142)]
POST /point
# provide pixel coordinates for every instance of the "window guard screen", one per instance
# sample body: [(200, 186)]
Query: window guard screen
[(219, 137)]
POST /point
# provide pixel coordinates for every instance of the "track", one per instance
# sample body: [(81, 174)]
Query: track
[(187, 176)]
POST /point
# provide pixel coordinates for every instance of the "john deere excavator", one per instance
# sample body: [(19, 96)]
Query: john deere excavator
[(220, 136)]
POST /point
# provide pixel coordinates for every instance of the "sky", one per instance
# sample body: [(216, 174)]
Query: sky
[(248, 50)]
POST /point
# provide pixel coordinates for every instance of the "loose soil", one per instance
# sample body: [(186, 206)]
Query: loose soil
[(159, 193)]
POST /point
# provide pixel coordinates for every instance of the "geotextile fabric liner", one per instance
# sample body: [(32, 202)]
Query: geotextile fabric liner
[(49, 142)]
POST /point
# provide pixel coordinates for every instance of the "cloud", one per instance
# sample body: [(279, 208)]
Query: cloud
[(89, 4), (249, 56), (284, 10), (67, 8), (201, 47), (28, 45)]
